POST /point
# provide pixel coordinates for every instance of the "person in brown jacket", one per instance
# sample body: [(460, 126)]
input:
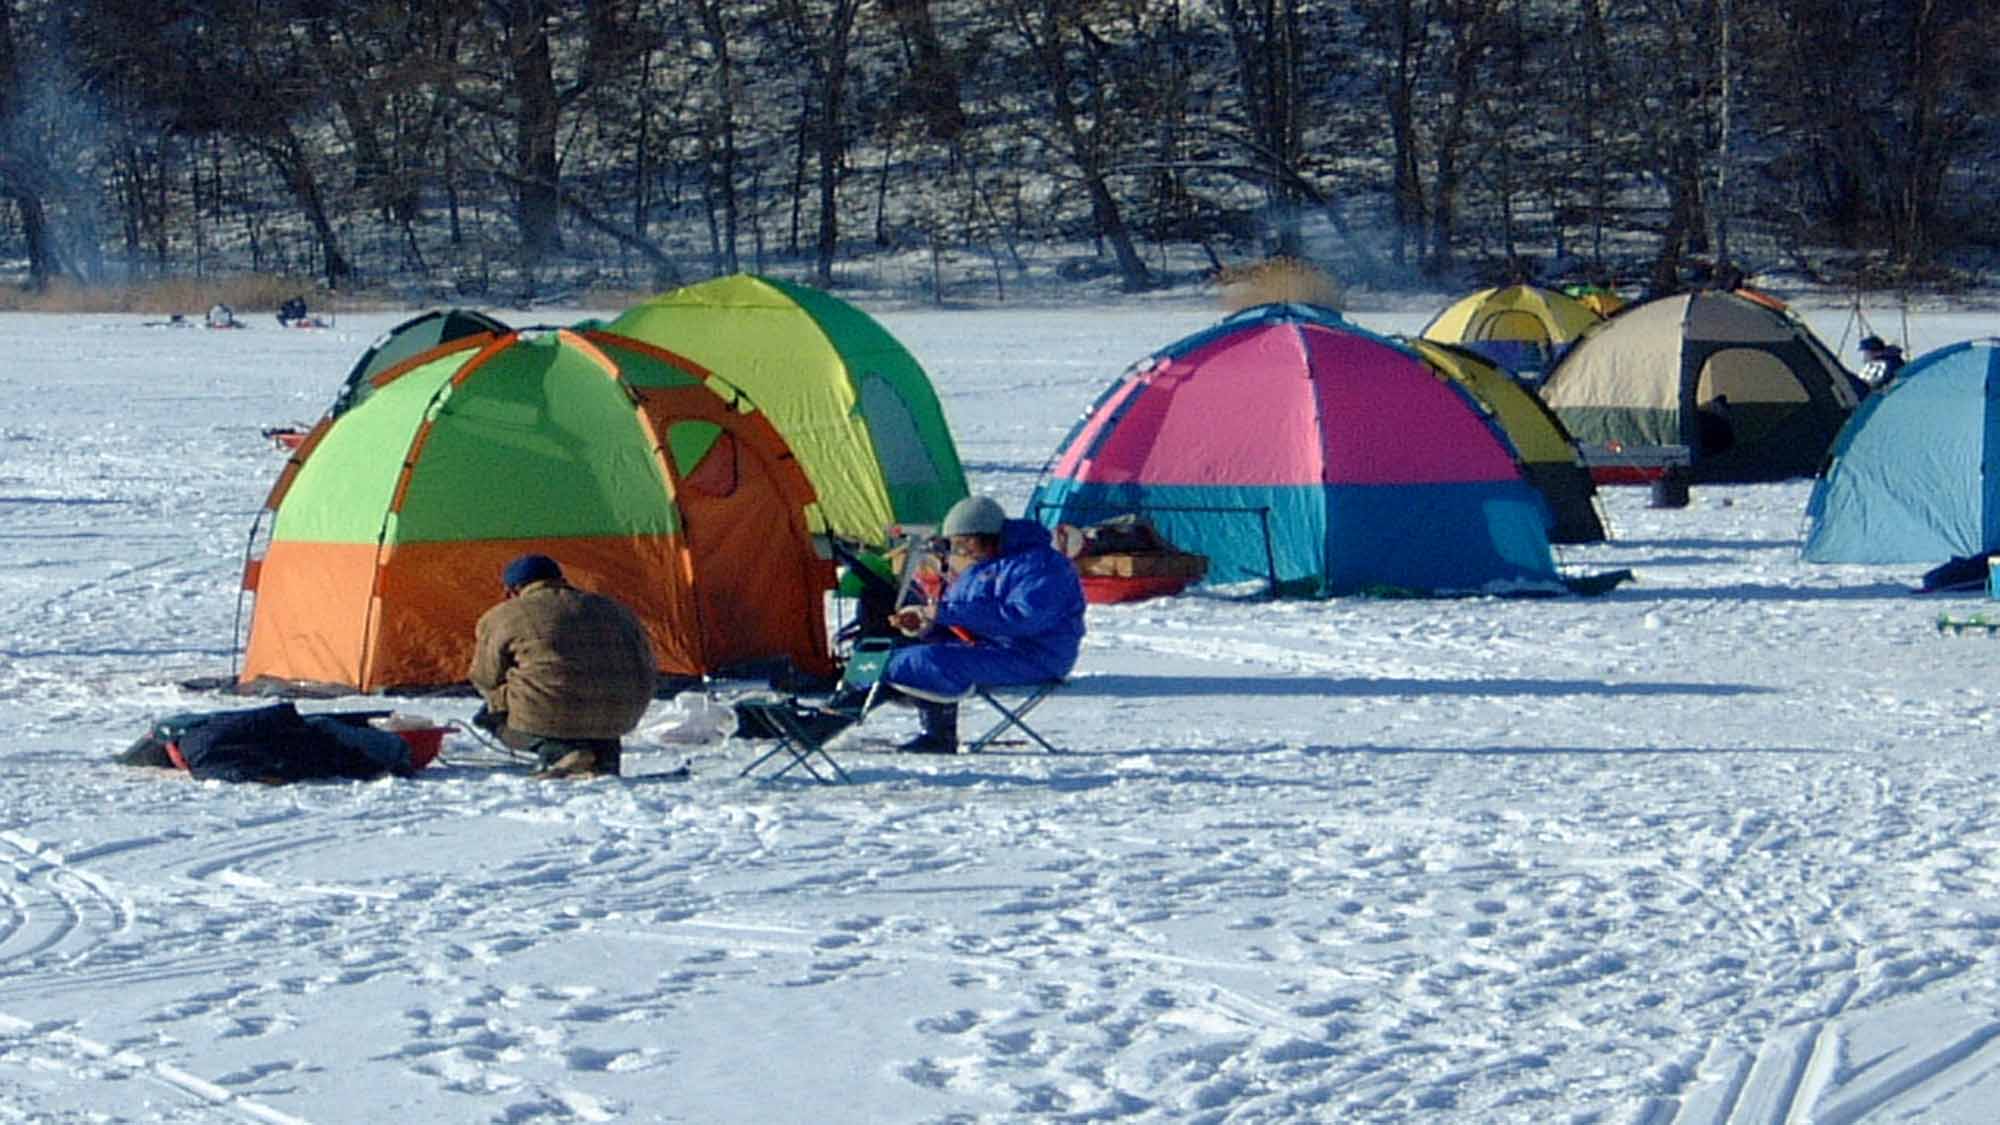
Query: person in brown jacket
[(565, 673)]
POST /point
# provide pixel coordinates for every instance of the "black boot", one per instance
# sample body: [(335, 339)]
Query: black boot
[(940, 730), (851, 698), (578, 757)]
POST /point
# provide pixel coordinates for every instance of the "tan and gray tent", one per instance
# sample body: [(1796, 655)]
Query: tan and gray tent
[(1745, 388)]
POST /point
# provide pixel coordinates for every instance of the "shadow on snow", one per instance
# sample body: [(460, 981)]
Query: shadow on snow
[(955, 776), (1129, 686)]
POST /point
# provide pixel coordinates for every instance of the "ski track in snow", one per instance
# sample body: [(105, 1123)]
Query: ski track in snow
[(1717, 847)]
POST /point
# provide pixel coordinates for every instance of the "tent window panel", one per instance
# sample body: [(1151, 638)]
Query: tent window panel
[(1518, 356), (705, 458), (1516, 325), (1748, 375), (899, 447), (1763, 393)]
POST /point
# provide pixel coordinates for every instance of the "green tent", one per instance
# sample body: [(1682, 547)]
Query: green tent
[(1744, 387), (417, 336), (853, 404)]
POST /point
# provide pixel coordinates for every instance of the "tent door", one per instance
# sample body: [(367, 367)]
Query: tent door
[(746, 567)]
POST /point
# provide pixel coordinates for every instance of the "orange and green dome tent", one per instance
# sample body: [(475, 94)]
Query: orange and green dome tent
[(391, 523), (849, 399), (1600, 299)]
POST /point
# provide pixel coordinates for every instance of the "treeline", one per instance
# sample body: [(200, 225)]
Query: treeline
[(521, 142)]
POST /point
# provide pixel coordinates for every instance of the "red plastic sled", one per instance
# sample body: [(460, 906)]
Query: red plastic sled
[(1104, 589)]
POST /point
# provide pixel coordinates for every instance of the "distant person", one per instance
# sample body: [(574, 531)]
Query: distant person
[(222, 316), (566, 674), (1714, 428), (1011, 614), (292, 312), (1881, 362)]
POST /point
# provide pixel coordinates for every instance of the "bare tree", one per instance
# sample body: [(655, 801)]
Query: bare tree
[(930, 91), (385, 133), (384, 65), (536, 112), (718, 131), (25, 175), (825, 29), (1269, 46), (1402, 26), (1947, 52), (1069, 54)]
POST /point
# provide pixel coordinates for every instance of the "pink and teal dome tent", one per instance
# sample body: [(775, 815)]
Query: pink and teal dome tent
[(1293, 447)]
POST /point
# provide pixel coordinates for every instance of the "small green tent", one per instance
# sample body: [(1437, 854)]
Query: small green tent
[(852, 402), (414, 337)]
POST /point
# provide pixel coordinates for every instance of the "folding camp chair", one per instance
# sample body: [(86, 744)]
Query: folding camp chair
[(1024, 698), (805, 728)]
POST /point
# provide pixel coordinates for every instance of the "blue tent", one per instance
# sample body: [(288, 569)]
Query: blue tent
[(1906, 480)]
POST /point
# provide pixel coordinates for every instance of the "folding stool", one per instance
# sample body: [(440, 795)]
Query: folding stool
[(1025, 697)]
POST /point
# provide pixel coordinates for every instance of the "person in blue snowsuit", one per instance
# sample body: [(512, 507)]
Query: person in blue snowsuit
[(1013, 615)]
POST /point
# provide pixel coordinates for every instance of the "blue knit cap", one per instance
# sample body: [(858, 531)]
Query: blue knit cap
[(529, 568)]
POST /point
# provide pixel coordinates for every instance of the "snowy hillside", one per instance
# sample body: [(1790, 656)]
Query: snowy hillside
[(1717, 847)]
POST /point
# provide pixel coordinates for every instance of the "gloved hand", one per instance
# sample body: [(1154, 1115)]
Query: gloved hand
[(487, 719), (912, 620)]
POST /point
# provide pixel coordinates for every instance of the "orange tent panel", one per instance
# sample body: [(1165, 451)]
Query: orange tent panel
[(312, 612), (320, 618), (434, 593)]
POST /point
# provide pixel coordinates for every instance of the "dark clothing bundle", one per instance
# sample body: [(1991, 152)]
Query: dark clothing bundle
[(272, 744)]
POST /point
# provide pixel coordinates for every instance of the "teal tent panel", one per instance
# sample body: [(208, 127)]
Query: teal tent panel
[(1271, 535), (1315, 541), (1454, 538)]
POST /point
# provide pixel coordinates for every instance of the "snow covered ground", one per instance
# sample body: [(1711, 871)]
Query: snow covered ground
[(1718, 847)]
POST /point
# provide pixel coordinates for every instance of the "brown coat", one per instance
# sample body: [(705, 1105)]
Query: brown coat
[(564, 663)]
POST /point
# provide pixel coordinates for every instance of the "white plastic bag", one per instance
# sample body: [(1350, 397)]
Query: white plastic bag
[(693, 717)]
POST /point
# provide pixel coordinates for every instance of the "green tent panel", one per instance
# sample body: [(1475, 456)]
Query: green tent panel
[(563, 477)]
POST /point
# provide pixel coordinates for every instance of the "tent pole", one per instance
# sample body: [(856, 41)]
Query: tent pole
[(236, 641), (1270, 552)]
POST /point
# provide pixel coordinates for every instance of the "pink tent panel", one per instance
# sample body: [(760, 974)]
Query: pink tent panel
[(1287, 404)]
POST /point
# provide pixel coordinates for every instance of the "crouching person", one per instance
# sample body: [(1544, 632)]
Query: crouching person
[(1012, 614), (565, 673)]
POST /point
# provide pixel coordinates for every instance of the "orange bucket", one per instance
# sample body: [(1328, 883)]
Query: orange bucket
[(424, 743)]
